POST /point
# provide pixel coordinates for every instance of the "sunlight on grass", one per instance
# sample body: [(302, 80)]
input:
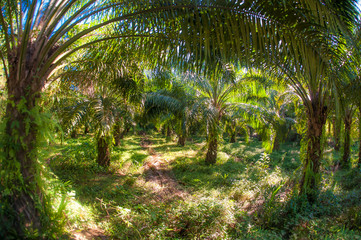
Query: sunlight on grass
[(78, 214), (164, 191)]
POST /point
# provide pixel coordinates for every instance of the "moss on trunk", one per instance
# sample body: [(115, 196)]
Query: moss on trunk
[(312, 159), (19, 165)]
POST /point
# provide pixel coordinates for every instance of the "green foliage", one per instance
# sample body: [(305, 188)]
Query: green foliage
[(12, 182), (247, 194), (353, 218), (273, 26), (77, 156), (7, 217), (352, 179)]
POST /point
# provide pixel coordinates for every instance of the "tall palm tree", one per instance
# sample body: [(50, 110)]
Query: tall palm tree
[(36, 38), (352, 78)]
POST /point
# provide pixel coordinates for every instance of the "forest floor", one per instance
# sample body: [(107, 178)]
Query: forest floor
[(155, 189)]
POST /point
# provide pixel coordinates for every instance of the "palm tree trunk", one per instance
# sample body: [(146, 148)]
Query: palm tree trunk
[(73, 134), (86, 129), (103, 152), (276, 143), (181, 140), (310, 176), (211, 156), (168, 132), (336, 133), (117, 134), (233, 137), (124, 132), (19, 165), (346, 146)]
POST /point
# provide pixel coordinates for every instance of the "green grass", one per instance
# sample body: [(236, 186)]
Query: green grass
[(247, 194)]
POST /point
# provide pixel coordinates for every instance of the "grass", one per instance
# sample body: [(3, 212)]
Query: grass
[(164, 191)]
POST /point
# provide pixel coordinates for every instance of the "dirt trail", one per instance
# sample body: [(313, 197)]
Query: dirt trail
[(89, 234), (160, 178)]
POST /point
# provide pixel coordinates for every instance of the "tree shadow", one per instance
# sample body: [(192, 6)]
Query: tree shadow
[(118, 201), (133, 204)]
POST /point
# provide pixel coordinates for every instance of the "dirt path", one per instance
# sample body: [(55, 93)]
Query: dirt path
[(159, 178), (89, 234)]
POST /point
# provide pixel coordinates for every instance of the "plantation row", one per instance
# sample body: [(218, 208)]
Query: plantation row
[(223, 71)]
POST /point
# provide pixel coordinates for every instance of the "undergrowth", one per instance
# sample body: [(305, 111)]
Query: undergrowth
[(247, 194)]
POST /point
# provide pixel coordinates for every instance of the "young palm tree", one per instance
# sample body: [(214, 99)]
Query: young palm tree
[(173, 104), (271, 102), (212, 103), (104, 110), (347, 112)]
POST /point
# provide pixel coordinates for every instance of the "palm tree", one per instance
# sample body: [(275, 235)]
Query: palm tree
[(308, 73), (271, 101), (104, 110), (212, 103), (108, 66), (234, 124), (112, 84), (347, 111), (352, 79), (173, 105), (36, 39)]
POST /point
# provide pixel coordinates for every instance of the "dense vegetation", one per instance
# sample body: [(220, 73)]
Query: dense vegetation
[(156, 189), (180, 119)]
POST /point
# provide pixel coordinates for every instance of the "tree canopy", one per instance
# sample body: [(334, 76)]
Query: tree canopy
[(98, 53)]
